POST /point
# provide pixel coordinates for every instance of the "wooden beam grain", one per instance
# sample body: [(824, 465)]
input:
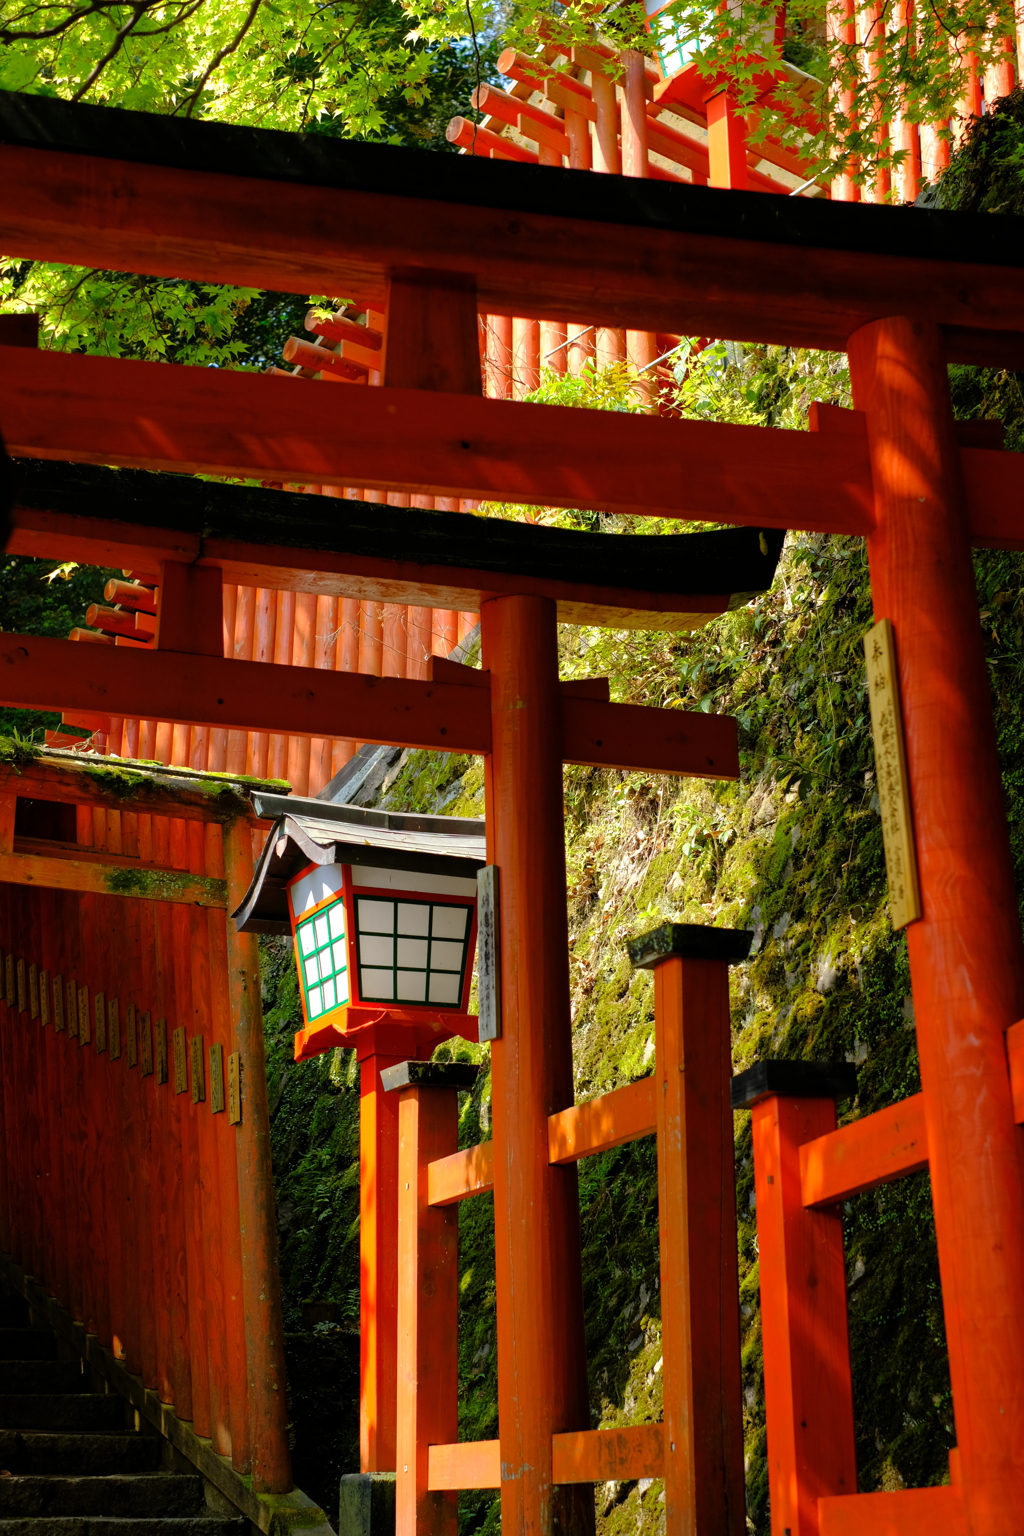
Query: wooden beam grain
[(906, 1512), (101, 410), (101, 783), (608, 1121), (469, 1172), (465, 1464), (111, 877), (868, 1152), (669, 258), (609, 1455)]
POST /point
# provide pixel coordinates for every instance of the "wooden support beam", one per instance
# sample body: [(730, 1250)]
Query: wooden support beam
[(114, 788), (102, 410), (190, 609), (609, 1455), (110, 876), (868, 1152), (42, 673), (465, 1464), (80, 191), (469, 1172), (432, 337), (908, 1512), (610, 1120)]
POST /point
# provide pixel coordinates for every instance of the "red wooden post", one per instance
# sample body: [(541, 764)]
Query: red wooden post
[(378, 1281), (727, 143), (261, 1283), (966, 961), (428, 1292), (808, 1391), (700, 1325), (542, 1376)]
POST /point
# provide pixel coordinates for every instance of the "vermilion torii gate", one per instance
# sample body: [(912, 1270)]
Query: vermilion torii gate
[(902, 293)]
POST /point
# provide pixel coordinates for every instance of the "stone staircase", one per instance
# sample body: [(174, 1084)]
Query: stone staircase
[(72, 1462)]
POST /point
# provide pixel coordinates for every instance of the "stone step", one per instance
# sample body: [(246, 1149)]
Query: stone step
[(104, 1525), (34, 1376), (27, 1344), (150, 1494), (13, 1312), (62, 1410), (81, 1455)]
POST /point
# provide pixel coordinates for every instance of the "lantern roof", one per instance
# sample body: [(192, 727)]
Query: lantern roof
[(309, 831)]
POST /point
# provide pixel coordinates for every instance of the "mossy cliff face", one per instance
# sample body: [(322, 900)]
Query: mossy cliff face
[(792, 851)]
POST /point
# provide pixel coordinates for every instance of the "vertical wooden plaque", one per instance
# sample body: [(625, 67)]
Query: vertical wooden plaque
[(180, 1064), (891, 774), (131, 1050), (146, 1044), (84, 1022), (198, 1074), (234, 1088), (161, 1050), (12, 996), (72, 999), (114, 1029), (33, 991), (100, 1013), (216, 1079), (488, 965), (58, 1002), (22, 988), (44, 998)]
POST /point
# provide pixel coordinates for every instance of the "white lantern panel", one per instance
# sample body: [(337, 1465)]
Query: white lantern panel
[(413, 952), (374, 949), (444, 988), (449, 923), (376, 916), (445, 956), (414, 917), (378, 984), (322, 961)]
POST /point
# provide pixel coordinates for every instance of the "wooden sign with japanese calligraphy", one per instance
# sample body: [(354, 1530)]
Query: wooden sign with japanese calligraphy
[(891, 775), (58, 1002), (22, 988), (216, 1079), (100, 1008), (161, 1050), (131, 1050), (84, 1022), (33, 991), (180, 1063), (195, 1052), (234, 1088), (44, 998), (146, 1044), (114, 1029), (72, 998)]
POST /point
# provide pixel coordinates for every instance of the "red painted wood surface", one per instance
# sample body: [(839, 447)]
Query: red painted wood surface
[(865, 1153), (700, 1328), (427, 1378), (261, 1285), (378, 1279), (909, 1512), (808, 1394), (609, 1120), (105, 410), (217, 228), (966, 960), (542, 1379)]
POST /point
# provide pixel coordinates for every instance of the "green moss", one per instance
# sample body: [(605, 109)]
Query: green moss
[(163, 884), (15, 752)]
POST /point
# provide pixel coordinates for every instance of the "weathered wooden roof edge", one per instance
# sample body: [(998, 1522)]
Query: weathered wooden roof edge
[(317, 159)]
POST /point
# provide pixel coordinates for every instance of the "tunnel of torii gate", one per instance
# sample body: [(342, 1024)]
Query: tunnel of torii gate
[(443, 241)]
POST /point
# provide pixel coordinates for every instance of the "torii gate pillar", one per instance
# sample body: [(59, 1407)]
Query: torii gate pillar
[(542, 1372), (966, 961)]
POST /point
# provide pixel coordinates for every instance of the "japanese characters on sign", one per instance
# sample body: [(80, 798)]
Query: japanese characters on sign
[(891, 775)]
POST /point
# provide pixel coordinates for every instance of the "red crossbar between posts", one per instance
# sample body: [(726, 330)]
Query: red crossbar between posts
[(697, 1448)]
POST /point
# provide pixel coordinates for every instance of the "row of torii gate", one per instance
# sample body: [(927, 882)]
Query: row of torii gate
[(220, 204)]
